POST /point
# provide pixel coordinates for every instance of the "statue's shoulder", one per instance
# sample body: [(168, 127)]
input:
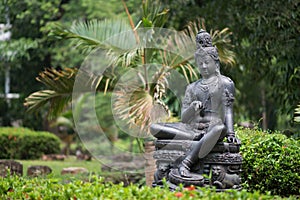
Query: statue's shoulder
[(227, 81), (191, 86), (228, 84)]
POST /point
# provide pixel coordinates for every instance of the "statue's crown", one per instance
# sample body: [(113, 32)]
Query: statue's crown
[(204, 45), (203, 39)]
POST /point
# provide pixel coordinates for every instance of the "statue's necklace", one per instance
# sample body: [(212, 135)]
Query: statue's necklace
[(210, 83), (208, 87)]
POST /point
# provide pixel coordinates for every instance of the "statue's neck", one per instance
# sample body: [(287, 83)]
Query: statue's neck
[(209, 80)]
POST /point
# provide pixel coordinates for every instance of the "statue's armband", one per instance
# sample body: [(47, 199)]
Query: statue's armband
[(229, 93)]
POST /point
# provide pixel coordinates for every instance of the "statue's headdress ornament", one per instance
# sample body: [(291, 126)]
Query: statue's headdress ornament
[(204, 45), (203, 39)]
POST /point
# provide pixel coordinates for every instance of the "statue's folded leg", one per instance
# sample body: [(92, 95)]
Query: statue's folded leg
[(203, 147), (178, 131)]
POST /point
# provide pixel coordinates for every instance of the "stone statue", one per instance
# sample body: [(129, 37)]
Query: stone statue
[(207, 111)]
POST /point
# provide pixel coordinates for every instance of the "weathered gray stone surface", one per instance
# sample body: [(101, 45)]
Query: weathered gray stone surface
[(38, 170), (13, 166), (74, 170), (53, 157)]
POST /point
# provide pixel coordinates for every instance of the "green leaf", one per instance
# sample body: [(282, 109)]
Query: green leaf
[(147, 22), (14, 49)]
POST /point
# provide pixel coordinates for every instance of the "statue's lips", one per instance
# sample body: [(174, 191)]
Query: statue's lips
[(204, 71)]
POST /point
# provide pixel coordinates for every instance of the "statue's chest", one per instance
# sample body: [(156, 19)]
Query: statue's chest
[(209, 93)]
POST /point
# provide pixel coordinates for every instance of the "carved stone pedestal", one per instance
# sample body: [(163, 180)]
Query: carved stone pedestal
[(220, 168)]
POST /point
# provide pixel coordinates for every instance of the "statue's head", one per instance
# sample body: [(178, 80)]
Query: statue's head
[(205, 48)]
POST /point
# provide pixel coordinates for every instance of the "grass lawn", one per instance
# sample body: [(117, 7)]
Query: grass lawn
[(93, 166)]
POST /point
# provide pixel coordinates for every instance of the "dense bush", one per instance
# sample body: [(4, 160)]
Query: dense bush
[(50, 188), (271, 162), (23, 143)]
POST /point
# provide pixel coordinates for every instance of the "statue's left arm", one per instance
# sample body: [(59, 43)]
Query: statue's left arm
[(229, 92)]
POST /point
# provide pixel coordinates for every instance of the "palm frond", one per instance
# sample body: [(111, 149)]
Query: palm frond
[(297, 114), (130, 57), (137, 107), (221, 39), (134, 107), (95, 34), (193, 27), (59, 84), (160, 82), (37, 100), (179, 54)]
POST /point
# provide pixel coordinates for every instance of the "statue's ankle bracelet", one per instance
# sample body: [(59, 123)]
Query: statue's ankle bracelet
[(187, 163)]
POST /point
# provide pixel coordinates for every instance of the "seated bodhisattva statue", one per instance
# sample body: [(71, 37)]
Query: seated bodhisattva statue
[(207, 110)]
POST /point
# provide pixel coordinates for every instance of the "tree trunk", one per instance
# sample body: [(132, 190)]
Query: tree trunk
[(150, 166), (264, 111)]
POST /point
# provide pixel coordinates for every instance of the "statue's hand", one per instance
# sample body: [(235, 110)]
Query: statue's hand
[(197, 105), (232, 139)]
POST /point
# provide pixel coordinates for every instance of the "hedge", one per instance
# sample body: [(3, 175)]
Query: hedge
[(23, 143), (271, 162), (52, 188)]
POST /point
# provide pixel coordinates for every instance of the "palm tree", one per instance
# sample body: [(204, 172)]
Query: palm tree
[(134, 105)]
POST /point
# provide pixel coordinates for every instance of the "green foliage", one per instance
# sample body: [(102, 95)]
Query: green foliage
[(27, 52), (96, 188), (23, 143), (153, 14), (95, 9), (266, 43), (272, 54), (271, 162), (16, 49)]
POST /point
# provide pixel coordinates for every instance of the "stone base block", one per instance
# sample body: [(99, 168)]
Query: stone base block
[(223, 164)]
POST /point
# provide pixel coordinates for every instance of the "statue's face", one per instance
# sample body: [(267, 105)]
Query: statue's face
[(207, 66)]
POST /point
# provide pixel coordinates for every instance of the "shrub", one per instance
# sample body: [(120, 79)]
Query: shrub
[(271, 162), (23, 143), (50, 188)]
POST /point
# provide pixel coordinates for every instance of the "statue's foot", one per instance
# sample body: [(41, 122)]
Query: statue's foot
[(184, 171)]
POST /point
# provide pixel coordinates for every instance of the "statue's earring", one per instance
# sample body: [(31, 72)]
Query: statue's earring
[(218, 70)]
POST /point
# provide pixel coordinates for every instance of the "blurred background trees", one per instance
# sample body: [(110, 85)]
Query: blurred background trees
[(266, 39), (265, 35)]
